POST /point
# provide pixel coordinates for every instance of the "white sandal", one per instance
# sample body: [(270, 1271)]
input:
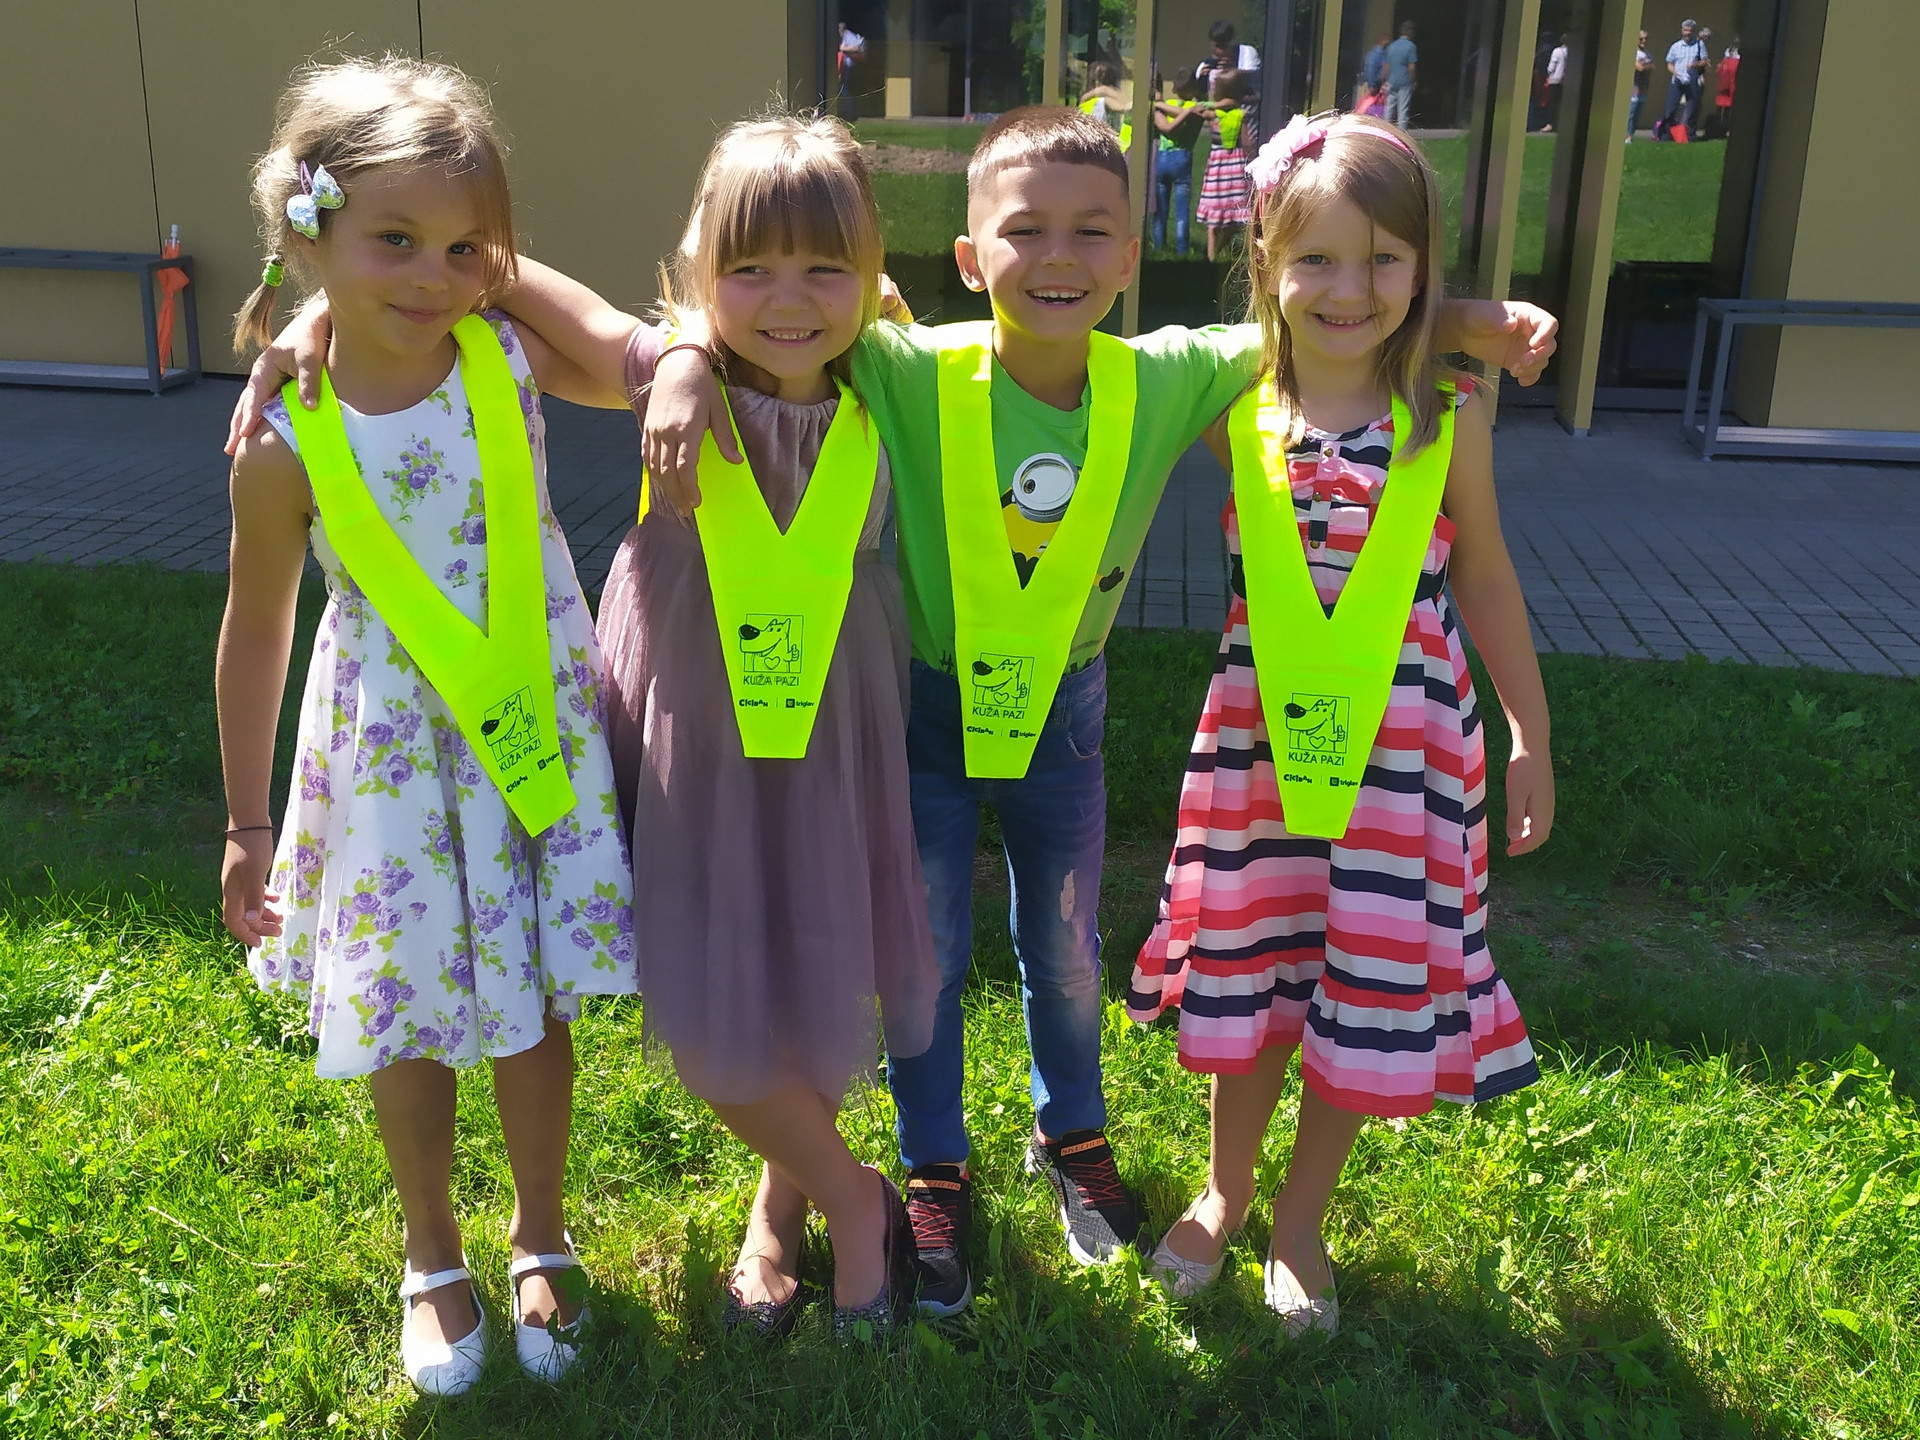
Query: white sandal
[(1300, 1312), (1180, 1277), (438, 1368), (546, 1354)]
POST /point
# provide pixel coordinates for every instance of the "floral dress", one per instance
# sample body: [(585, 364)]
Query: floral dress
[(421, 920)]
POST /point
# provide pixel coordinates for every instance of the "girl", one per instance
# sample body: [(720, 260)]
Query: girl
[(780, 896), (451, 876), (1225, 202), (1284, 924)]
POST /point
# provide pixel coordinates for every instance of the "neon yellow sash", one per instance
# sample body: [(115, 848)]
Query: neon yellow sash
[(779, 598), (1324, 680), (1011, 644), (498, 683)]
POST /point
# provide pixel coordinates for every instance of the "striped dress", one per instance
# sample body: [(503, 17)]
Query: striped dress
[(1369, 952), (1226, 195)]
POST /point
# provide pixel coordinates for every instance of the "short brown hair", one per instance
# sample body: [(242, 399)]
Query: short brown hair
[(1045, 134)]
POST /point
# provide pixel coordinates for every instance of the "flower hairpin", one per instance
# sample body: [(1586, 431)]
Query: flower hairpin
[(318, 191), (1304, 134)]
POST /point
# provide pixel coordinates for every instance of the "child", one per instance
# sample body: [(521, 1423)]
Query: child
[(1225, 204), (778, 897), (1000, 436), (451, 876), (1178, 123), (1284, 923)]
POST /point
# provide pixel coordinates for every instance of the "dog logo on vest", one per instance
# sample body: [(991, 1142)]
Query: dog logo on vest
[(510, 730), (1001, 684), (1317, 728), (770, 645)]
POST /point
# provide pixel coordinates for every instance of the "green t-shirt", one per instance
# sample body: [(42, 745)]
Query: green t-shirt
[(1186, 378)]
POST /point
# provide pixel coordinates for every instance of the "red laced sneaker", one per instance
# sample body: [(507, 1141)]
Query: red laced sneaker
[(940, 1205), (1097, 1210)]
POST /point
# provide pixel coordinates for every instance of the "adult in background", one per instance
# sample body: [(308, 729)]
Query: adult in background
[(1224, 52), (1373, 72), (1403, 67), (1556, 77), (1642, 67), (1686, 63), (853, 49)]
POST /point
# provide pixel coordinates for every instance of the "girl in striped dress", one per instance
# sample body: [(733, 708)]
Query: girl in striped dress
[(1367, 953), (1225, 201)]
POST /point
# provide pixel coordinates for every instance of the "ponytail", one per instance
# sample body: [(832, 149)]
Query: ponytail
[(253, 322)]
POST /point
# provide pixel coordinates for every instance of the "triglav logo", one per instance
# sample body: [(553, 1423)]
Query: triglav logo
[(1001, 684), (510, 730), (1317, 728), (770, 649)]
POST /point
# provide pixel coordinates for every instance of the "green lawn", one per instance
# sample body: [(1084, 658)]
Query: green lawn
[(1704, 1222)]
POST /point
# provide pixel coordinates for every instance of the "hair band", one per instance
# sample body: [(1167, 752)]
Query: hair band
[(1300, 136), (274, 273)]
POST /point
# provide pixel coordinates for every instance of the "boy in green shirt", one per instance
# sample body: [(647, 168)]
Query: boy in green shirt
[(1048, 241)]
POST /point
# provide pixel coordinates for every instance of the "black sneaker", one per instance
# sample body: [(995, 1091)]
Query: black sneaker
[(1097, 1210), (940, 1204)]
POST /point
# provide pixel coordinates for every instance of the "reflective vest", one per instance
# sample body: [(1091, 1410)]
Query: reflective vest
[(1098, 108), (1324, 680), (1011, 644), (778, 599), (498, 682)]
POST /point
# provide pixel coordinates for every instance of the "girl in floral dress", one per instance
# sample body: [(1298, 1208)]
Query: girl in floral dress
[(406, 903), (1368, 953)]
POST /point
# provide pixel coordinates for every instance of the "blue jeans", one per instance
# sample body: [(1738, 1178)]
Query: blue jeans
[(1633, 110), (1682, 96), (1055, 824), (1172, 172)]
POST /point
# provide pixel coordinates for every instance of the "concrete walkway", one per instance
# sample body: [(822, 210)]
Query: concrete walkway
[(1626, 543)]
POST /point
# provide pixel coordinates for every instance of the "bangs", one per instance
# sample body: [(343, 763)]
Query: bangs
[(791, 208)]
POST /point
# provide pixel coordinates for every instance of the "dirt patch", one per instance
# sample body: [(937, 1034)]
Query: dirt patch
[(912, 160)]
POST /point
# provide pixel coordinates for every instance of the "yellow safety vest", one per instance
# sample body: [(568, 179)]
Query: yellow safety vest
[(778, 599), (1011, 644), (1088, 107), (496, 682), (1324, 680)]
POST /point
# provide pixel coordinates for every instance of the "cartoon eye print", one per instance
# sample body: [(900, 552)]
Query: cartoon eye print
[(1043, 485)]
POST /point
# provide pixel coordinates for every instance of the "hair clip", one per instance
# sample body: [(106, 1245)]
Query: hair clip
[(1301, 135), (274, 273), (318, 191)]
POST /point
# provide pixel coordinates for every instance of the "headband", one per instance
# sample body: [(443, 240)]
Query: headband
[(318, 191), (1301, 136)]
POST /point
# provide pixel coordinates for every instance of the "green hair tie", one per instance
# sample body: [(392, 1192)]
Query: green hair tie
[(273, 274)]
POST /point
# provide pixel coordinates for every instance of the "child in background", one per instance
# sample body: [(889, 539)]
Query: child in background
[(1023, 468), (1178, 123), (1360, 941), (451, 876), (1225, 201)]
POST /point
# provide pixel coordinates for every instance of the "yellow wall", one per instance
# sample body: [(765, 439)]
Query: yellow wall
[(1838, 222), (73, 174), (607, 116)]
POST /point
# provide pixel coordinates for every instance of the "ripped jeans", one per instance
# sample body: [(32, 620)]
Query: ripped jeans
[(1055, 824)]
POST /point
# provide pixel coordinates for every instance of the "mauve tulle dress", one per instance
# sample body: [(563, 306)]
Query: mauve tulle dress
[(775, 901)]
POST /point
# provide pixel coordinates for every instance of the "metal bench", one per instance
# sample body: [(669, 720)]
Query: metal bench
[(1711, 437), (155, 374)]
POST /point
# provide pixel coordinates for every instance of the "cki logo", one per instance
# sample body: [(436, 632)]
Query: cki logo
[(510, 730), (1317, 728), (1001, 684), (770, 649)]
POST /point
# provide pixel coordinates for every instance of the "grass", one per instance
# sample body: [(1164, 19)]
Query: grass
[(1705, 1221)]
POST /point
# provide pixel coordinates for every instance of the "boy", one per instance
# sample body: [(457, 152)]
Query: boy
[(1047, 239)]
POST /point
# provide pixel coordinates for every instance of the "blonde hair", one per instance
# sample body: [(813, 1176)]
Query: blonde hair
[(783, 182), (360, 115), (1394, 187)]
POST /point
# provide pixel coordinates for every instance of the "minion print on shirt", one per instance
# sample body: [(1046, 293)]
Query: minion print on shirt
[(1033, 506)]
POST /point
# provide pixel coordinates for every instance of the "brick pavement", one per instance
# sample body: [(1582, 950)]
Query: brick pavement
[(1625, 542)]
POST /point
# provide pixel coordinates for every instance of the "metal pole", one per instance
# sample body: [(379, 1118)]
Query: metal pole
[(1140, 158), (966, 99), (1326, 76), (1056, 63)]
